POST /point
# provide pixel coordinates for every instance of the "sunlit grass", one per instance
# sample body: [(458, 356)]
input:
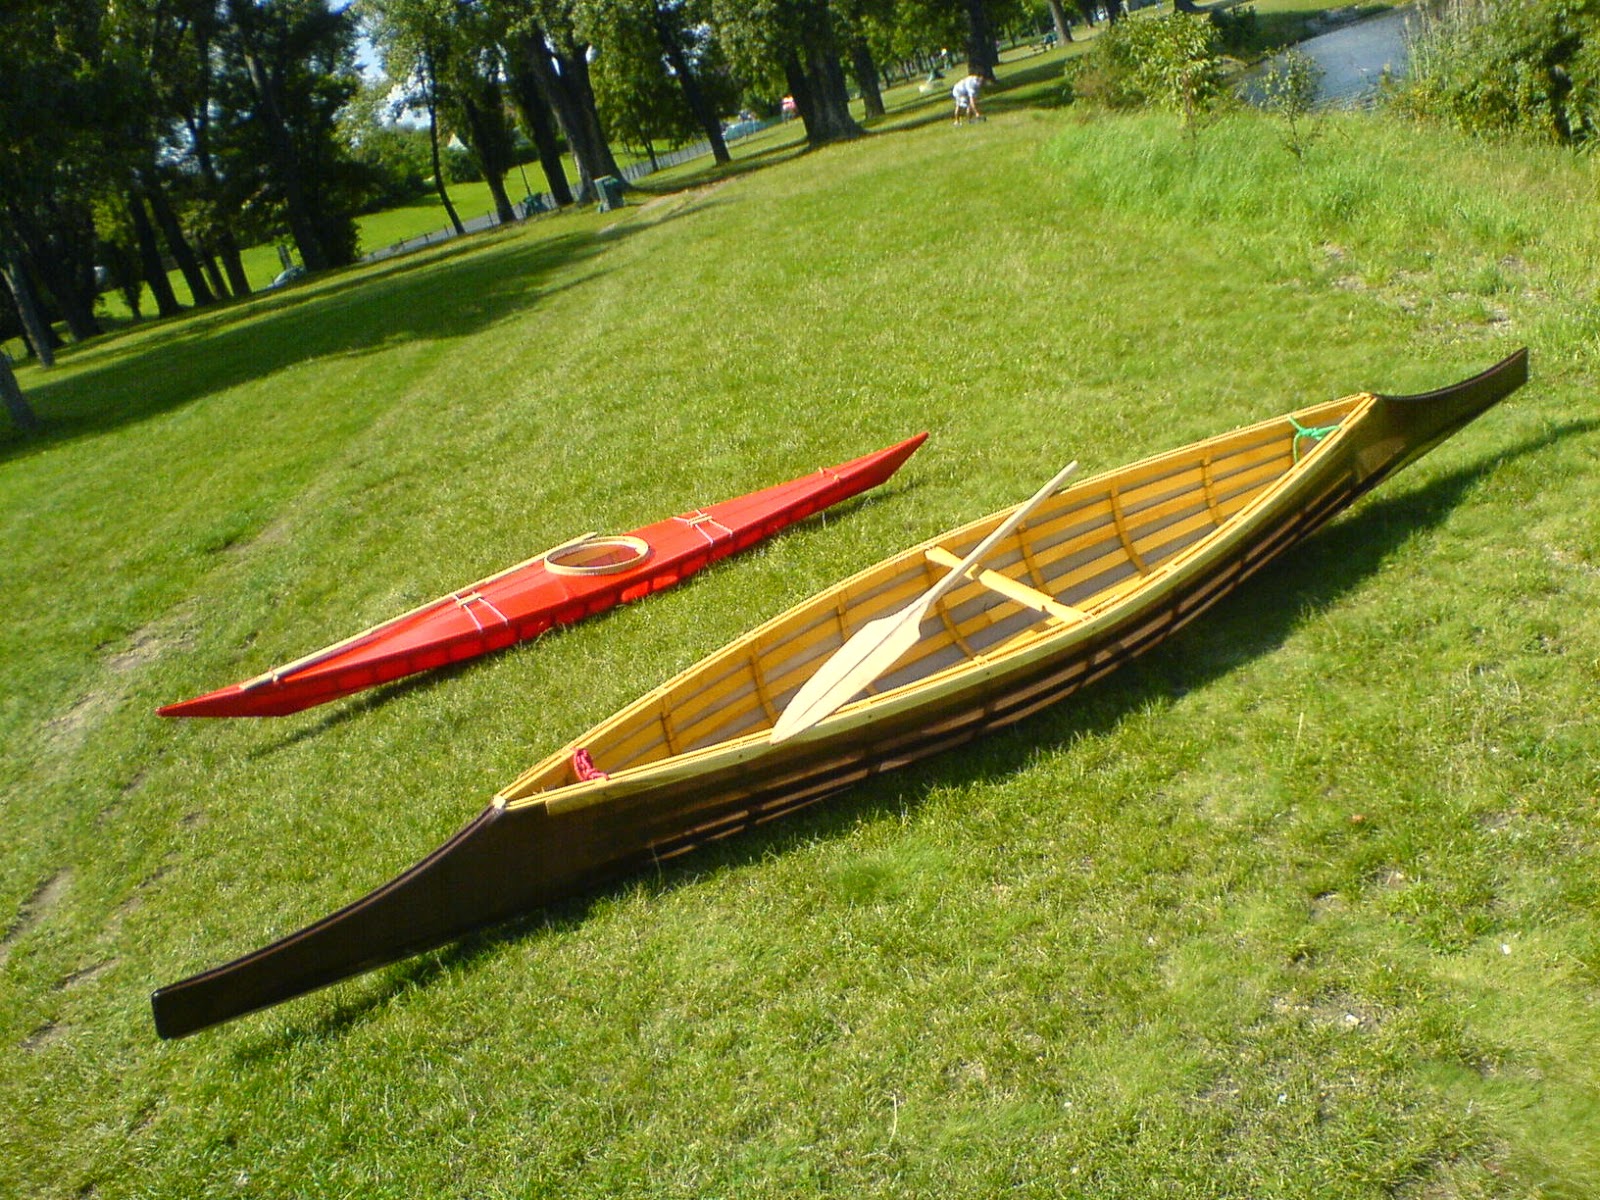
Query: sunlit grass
[(1303, 904)]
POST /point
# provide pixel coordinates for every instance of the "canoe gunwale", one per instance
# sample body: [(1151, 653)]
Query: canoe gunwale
[(929, 692)]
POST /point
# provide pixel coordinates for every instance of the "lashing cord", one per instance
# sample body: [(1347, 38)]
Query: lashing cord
[(1316, 433)]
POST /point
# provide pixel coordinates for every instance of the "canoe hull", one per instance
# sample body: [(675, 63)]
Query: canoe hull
[(527, 600), (532, 847)]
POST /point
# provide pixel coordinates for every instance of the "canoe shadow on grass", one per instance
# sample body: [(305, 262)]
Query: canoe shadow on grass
[(1250, 623), (359, 705)]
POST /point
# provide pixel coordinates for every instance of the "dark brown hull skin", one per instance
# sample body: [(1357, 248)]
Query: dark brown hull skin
[(511, 861)]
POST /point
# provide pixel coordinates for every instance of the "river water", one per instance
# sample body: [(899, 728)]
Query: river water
[(1355, 58)]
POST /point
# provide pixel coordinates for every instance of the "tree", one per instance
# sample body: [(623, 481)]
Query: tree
[(983, 52), (35, 329), (16, 403), (547, 55), (411, 36), (657, 72), (396, 152), (802, 40), (219, 208), (539, 120), (1058, 18), (143, 64), (288, 70), (49, 105), (479, 104), (679, 46), (448, 52)]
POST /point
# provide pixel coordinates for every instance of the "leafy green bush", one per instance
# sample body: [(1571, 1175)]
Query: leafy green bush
[(1489, 68), (1173, 62)]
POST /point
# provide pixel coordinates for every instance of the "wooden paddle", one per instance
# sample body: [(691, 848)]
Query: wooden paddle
[(879, 644)]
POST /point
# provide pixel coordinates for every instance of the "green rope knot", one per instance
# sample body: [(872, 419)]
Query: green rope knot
[(1315, 434)]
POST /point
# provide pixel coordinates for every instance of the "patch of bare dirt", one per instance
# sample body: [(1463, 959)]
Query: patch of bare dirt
[(46, 1035), (172, 631), (87, 975), (35, 909)]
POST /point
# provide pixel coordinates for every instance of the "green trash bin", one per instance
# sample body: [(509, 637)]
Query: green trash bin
[(610, 189)]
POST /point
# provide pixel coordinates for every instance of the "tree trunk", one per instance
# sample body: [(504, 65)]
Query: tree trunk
[(672, 48), (233, 263), (575, 68), (225, 244), (182, 253), (1058, 17), (16, 403), (981, 56), (866, 75), (34, 326), (504, 213), (431, 86), (208, 263), (302, 224), (541, 126), (155, 271), (438, 169), (1086, 8), (269, 111), (58, 255), (490, 147), (817, 84), (567, 94)]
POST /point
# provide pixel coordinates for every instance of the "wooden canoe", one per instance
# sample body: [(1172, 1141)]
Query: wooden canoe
[(1099, 573), (560, 586)]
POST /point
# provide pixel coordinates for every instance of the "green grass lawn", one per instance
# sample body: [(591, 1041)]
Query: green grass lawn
[(1282, 21), (1304, 904)]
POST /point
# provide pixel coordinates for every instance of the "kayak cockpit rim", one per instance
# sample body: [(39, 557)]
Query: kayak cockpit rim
[(595, 555), (1303, 437)]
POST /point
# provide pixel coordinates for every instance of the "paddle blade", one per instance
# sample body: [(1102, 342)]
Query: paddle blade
[(871, 651)]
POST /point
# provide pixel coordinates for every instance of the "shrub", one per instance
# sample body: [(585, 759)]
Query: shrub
[(1289, 90), (1171, 62), (1490, 68), (1238, 30)]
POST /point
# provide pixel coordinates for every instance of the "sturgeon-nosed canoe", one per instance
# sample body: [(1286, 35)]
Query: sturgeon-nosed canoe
[(560, 586), (1103, 571)]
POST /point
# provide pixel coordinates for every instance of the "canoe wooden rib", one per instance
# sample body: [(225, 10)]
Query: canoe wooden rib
[(558, 587), (1103, 571)]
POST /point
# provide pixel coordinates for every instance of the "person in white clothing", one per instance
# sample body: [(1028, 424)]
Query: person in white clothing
[(965, 95)]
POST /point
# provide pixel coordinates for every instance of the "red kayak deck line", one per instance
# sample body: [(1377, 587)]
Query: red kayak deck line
[(558, 587)]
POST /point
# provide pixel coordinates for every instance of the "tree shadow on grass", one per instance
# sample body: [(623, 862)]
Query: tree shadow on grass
[(714, 172), (1244, 626), (454, 292)]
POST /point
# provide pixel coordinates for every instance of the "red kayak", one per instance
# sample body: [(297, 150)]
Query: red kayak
[(560, 586)]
